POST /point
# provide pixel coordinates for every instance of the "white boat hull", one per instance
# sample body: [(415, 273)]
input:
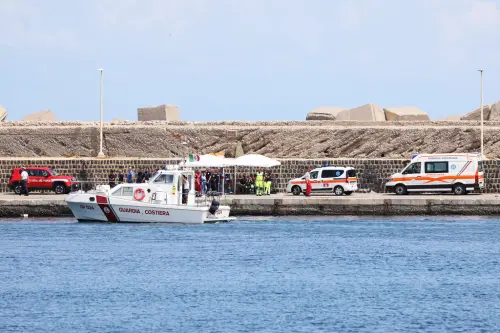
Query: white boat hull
[(111, 209)]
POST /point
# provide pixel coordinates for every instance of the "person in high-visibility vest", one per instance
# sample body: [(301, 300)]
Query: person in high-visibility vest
[(259, 182), (267, 184)]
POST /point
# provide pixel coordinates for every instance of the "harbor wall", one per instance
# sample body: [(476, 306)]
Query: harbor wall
[(279, 139), (372, 173)]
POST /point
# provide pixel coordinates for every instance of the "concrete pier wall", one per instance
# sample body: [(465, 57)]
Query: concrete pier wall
[(372, 173), (281, 205)]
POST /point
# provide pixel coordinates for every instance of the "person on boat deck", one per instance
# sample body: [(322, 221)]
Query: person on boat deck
[(130, 175), (197, 182), (185, 190), (203, 180), (112, 179)]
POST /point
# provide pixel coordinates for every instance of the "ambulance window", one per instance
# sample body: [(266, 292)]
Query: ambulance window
[(480, 166), (351, 173), (436, 167), (314, 175), (414, 168), (331, 173)]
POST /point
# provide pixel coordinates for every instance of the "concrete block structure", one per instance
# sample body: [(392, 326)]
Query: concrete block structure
[(367, 112), (476, 114), (3, 113), (45, 115), (495, 112), (409, 113), (324, 113), (167, 112)]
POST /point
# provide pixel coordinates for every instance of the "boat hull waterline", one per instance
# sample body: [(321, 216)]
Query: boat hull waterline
[(106, 209)]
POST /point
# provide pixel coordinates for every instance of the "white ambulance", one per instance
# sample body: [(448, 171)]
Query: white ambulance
[(331, 179), (456, 173)]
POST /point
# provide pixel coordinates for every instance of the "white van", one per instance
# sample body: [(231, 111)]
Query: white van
[(457, 173), (331, 179)]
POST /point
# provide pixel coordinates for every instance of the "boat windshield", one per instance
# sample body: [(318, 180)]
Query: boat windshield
[(164, 179)]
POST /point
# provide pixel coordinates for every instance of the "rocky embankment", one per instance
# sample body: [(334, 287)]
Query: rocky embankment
[(291, 139)]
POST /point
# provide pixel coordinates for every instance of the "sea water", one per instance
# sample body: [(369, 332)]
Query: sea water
[(339, 274)]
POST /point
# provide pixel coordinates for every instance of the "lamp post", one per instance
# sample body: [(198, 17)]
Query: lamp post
[(482, 119), (101, 154)]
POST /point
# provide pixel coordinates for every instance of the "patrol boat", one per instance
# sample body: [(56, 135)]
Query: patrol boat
[(159, 200)]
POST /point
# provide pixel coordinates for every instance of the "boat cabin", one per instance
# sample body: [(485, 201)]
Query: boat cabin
[(164, 187)]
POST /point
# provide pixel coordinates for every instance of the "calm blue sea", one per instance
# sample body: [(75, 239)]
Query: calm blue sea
[(345, 274)]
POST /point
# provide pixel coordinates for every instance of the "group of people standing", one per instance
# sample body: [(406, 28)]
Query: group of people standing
[(130, 176), (212, 180), (259, 183)]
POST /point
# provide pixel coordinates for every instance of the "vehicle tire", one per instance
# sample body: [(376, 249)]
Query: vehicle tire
[(400, 189), (459, 189), (17, 188), (348, 192), (296, 190), (60, 188), (338, 190)]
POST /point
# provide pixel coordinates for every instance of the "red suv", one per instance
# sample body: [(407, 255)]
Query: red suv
[(42, 178)]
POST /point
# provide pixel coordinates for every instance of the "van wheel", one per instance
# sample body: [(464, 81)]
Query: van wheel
[(400, 189), (338, 190), (348, 192), (296, 190), (459, 189), (60, 188), (18, 188)]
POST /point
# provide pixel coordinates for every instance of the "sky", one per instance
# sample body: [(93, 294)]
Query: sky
[(246, 59)]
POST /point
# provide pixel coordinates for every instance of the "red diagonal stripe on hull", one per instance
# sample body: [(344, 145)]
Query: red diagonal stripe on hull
[(101, 200), (108, 211)]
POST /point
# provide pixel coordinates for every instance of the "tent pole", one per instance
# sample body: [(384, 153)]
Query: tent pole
[(234, 180), (279, 179)]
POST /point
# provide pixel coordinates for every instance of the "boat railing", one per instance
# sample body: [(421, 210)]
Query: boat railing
[(207, 198)]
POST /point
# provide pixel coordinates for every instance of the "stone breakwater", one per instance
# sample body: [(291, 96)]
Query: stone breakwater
[(372, 173), (282, 139)]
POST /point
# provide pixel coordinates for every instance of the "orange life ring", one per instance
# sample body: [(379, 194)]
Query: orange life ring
[(139, 194)]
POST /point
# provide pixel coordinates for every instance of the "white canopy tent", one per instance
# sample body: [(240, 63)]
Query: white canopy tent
[(256, 160), (250, 160), (210, 161)]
